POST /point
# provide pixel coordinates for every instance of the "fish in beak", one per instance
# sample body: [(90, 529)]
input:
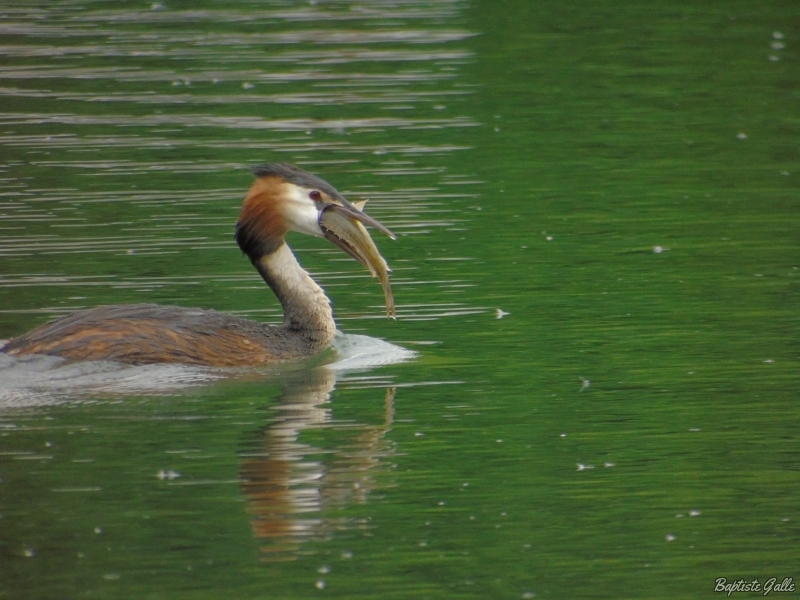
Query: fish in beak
[(343, 225)]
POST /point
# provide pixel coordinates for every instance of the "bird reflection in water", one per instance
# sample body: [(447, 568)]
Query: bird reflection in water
[(286, 484)]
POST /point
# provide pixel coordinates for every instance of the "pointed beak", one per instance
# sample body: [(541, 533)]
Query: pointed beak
[(343, 225), (356, 212)]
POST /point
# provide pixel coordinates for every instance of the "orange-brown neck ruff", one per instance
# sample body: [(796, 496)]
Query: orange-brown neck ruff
[(261, 226)]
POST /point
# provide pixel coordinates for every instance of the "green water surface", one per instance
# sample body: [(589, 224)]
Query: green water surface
[(597, 207)]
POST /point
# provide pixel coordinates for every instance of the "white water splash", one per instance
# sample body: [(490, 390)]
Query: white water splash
[(359, 352)]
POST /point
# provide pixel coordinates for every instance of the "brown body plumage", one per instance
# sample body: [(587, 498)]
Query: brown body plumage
[(283, 198), (151, 333)]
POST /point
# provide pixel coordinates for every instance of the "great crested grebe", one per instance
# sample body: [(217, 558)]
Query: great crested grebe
[(283, 198)]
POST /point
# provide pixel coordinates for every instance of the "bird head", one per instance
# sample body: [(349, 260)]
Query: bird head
[(286, 198)]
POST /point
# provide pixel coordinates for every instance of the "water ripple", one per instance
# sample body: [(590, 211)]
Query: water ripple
[(245, 122), (112, 114)]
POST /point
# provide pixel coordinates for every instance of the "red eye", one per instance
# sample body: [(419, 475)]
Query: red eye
[(315, 196)]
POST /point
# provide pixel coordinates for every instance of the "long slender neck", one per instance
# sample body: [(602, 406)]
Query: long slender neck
[(306, 308)]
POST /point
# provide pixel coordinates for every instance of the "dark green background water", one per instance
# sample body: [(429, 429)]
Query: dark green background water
[(621, 179)]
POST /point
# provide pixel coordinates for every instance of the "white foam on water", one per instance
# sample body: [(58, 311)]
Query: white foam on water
[(359, 352)]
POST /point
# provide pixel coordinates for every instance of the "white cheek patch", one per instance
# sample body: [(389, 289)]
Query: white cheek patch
[(300, 212)]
